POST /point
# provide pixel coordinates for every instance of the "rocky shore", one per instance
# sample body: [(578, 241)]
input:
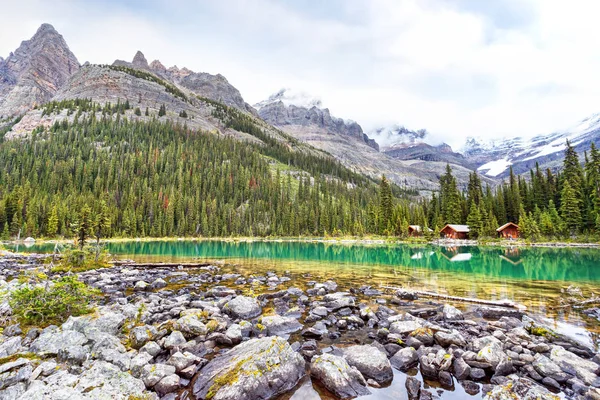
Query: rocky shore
[(212, 333)]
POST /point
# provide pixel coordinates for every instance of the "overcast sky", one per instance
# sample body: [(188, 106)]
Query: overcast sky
[(488, 68)]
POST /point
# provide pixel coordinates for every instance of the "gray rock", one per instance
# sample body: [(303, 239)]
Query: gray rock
[(190, 326), (404, 359), (446, 339), (50, 343), (182, 360), (335, 301), (16, 375), (278, 325), (371, 362), (105, 381), (413, 387), (75, 355), (159, 283), (243, 307), (477, 373), (151, 348), (140, 335), (18, 363), (547, 368), (139, 362), (151, 374), (175, 339), (234, 333), (462, 370), (258, 368), (520, 388), (168, 384), (10, 346), (107, 322), (451, 313), (338, 376), (405, 327), (141, 286), (575, 365)]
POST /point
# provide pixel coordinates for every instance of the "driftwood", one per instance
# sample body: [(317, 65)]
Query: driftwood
[(496, 303), (129, 264)]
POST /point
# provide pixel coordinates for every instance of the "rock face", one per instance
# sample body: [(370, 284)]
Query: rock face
[(35, 71), (256, 369), (338, 376), (276, 112), (520, 388)]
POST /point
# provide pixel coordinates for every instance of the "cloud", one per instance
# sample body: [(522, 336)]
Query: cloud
[(454, 67)]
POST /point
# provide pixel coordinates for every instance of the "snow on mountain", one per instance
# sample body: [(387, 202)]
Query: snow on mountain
[(397, 136), (290, 97), (495, 157)]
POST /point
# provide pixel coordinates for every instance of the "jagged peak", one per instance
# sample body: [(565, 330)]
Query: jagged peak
[(157, 66), (44, 29), (139, 60), (291, 97)]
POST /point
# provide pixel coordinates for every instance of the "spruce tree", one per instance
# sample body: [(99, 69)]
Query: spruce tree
[(474, 222), (386, 205), (570, 209)]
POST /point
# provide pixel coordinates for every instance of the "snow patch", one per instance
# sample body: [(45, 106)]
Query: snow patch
[(495, 168), (290, 97)]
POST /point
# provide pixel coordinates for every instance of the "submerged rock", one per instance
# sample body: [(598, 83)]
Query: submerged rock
[(258, 368), (338, 376)]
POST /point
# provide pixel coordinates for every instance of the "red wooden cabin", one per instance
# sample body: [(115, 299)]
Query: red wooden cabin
[(452, 231), (509, 230)]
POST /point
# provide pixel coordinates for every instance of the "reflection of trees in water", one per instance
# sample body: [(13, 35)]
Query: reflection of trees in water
[(528, 263)]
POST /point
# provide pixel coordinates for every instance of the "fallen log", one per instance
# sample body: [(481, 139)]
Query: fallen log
[(497, 303)]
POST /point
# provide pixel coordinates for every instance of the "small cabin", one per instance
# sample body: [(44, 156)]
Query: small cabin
[(452, 231), (509, 230), (416, 230)]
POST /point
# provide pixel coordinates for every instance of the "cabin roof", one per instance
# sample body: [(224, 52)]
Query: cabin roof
[(503, 227), (457, 228), (418, 228)]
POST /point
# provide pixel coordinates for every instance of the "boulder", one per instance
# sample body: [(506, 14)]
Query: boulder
[(140, 335), (338, 376), (278, 326), (575, 365), (413, 387), (258, 368), (151, 374), (371, 362), (243, 307), (520, 388), (446, 339), (335, 301), (105, 381), (190, 326), (50, 342), (451, 313), (404, 359), (405, 327)]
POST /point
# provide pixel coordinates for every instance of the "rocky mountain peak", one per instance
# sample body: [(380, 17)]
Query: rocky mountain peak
[(292, 108), (139, 60), (158, 66), (35, 71)]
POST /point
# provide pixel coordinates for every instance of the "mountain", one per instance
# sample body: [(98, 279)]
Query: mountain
[(495, 157), (35, 72), (401, 143), (286, 108), (304, 117), (43, 71)]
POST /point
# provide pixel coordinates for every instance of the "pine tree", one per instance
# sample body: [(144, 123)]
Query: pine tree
[(162, 111), (137, 112), (52, 228), (147, 113), (450, 198), (83, 226), (386, 205), (101, 225), (474, 221), (183, 114), (570, 208)]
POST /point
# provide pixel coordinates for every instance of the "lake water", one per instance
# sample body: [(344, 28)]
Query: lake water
[(534, 277)]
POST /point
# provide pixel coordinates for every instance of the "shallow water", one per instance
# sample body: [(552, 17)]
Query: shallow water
[(534, 277)]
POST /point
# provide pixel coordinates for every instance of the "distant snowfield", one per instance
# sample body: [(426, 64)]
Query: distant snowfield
[(495, 168)]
